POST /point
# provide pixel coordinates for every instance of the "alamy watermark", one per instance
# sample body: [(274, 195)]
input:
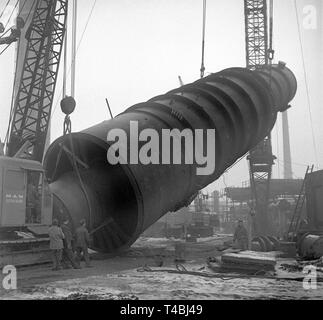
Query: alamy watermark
[(168, 147), (310, 18), (9, 278), (310, 279)]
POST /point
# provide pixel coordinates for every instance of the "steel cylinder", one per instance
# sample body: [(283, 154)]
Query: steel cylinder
[(121, 201), (310, 246)]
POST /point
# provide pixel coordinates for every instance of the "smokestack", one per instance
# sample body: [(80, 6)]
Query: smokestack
[(288, 171)]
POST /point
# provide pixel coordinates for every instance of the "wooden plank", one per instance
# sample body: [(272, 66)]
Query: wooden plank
[(249, 257), (27, 258)]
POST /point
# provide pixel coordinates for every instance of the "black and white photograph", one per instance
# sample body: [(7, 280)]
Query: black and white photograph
[(161, 154)]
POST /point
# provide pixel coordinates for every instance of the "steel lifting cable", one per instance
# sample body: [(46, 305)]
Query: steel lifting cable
[(271, 52), (78, 47), (5, 8), (5, 49), (65, 60), (65, 67), (22, 8), (19, 13), (202, 70), (306, 84), (12, 12), (67, 122), (31, 8), (66, 71), (78, 174), (74, 38)]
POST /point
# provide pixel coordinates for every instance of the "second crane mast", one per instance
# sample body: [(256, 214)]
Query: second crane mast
[(261, 158)]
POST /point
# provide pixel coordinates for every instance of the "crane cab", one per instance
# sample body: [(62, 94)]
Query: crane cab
[(25, 199)]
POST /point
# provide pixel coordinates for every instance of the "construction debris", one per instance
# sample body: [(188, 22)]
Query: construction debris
[(250, 261)]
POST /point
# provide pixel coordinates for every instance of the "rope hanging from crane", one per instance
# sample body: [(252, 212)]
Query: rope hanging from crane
[(11, 14), (68, 72), (4, 27), (16, 30), (74, 48), (202, 70), (68, 105), (72, 69), (4, 9), (309, 102), (271, 51)]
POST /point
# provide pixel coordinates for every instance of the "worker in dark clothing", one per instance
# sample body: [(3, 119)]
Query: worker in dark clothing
[(56, 237), (32, 203), (241, 236), (82, 243), (68, 255)]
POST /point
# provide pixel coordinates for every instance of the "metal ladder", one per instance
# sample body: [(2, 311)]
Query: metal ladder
[(295, 223)]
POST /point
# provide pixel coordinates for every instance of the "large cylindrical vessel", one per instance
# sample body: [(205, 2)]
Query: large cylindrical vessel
[(122, 201)]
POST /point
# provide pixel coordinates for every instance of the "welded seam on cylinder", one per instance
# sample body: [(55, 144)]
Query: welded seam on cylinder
[(163, 108), (264, 76), (264, 92), (194, 107), (228, 116), (255, 80), (232, 105), (248, 107), (183, 122), (287, 80), (255, 110), (227, 104), (214, 107)]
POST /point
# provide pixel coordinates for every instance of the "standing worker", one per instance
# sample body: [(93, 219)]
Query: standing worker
[(82, 243), (68, 255), (56, 237), (241, 236), (32, 202)]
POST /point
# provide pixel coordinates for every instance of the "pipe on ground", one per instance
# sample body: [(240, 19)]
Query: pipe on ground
[(310, 246), (120, 202)]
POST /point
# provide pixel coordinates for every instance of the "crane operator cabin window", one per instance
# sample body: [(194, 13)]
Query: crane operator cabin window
[(34, 197)]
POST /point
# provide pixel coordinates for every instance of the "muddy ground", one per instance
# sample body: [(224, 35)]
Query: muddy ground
[(138, 274)]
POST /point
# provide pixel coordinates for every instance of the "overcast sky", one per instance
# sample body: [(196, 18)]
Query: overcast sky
[(133, 50)]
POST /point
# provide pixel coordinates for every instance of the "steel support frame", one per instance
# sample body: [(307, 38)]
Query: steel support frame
[(260, 158), (256, 24), (34, 98)]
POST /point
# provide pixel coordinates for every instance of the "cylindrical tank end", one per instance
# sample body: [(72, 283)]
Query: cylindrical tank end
[(105, 196)]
